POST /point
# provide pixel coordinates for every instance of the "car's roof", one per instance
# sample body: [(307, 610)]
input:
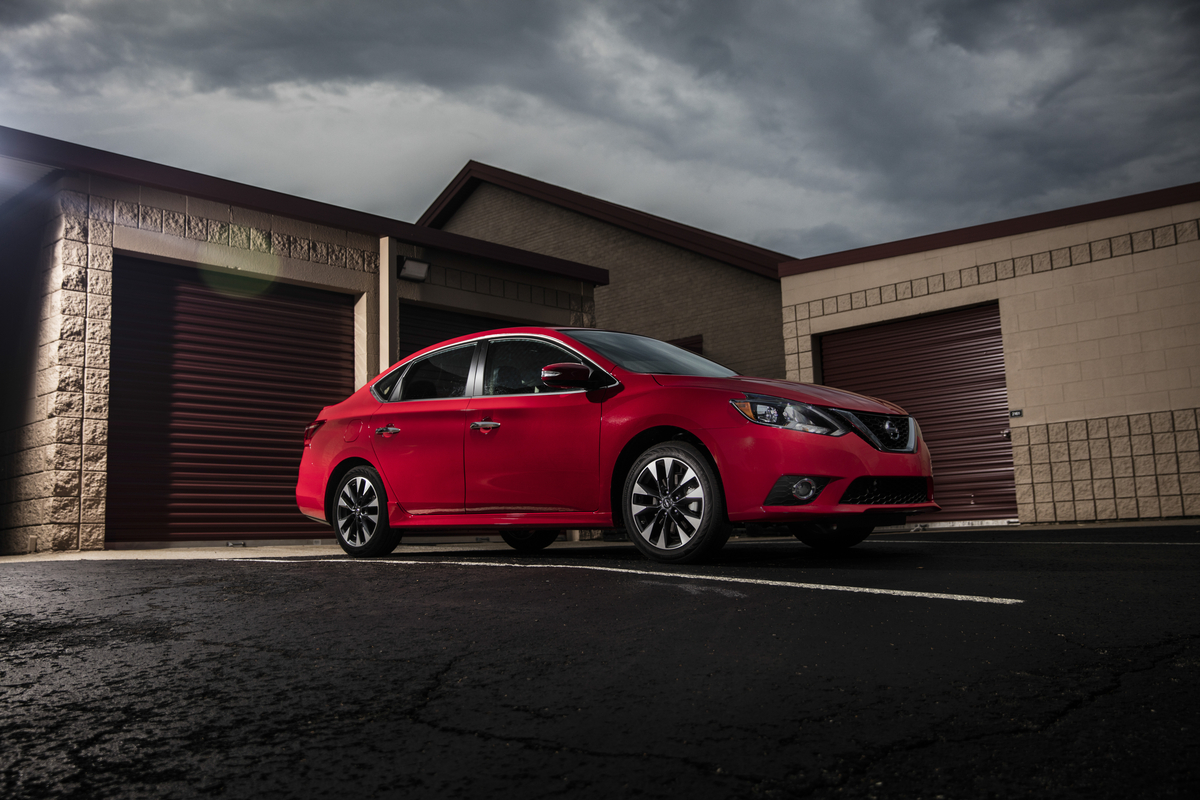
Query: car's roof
[(559, 333)]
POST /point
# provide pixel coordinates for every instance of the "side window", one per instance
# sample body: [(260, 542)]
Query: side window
[(514, 366), (443, 374), (383, 389)]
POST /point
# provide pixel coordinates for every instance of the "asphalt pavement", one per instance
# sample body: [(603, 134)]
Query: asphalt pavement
[(964, 663)]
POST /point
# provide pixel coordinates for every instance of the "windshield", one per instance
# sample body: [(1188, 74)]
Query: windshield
[(643, 354)]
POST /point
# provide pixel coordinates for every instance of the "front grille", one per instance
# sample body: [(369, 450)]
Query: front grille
[(889, 431), (875, 491)]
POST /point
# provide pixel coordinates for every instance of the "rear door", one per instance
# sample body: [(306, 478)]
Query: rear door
[(418, 433)]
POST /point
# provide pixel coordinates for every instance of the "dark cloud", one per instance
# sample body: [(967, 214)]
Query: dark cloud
[(28, 12), (247, 46), (872, 120)]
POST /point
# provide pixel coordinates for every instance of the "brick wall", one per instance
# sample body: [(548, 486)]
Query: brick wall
[(655, 289)]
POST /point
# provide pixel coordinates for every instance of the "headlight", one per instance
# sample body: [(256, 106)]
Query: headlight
[(780, 413)]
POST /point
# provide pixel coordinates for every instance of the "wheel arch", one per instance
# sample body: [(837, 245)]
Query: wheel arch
[(640, 444)]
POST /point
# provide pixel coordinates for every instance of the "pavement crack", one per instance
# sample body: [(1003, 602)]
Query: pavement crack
[(858, 762)]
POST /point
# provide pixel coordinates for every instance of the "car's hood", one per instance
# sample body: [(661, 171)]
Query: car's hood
[(790, 390)]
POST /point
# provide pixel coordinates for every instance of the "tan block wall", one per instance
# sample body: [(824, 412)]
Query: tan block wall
[(54, 460), (655, 289), (1101, 322), (1144, 466)]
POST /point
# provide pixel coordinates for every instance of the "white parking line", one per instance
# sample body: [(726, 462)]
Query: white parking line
[(648, 573)]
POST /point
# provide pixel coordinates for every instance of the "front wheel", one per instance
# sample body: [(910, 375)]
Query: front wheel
[(360, 514), (832, 537), (529, 541), (673, 505)]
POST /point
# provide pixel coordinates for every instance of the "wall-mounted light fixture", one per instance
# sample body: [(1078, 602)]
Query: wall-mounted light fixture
[(413, 270)]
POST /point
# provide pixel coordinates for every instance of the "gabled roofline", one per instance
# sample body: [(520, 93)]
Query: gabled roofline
[(1075, 215), (79, 158), (720, 248)]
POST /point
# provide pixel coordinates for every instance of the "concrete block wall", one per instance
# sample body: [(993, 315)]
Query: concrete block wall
[(655, 288), (1101, 331), (54, 473), (1142, 466)]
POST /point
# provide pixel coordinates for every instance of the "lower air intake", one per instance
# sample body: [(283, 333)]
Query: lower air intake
[(875, 491)]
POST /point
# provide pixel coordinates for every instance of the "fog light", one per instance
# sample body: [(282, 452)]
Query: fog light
[(796, 490), (805, 489)]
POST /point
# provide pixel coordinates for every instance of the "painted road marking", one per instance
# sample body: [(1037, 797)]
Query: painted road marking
[(648, 573)]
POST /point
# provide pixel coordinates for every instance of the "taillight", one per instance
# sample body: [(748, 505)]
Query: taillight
[(311, 431)]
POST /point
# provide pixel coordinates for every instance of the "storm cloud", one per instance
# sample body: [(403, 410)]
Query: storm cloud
[(803, 127)]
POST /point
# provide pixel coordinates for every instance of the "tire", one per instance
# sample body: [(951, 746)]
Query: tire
[(529, 540), (832, 537), (360, 515), (691, 526)]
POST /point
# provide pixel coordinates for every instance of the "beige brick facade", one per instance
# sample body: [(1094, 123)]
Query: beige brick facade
[(1101, 332), (656, 288)]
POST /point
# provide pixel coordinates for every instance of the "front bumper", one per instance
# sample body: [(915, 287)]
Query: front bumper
[(753, 459)]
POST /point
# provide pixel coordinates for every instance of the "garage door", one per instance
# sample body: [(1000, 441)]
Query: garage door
[(947, 370), (213, 379), (421, 326)]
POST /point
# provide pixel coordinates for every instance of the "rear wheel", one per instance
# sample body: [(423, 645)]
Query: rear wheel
[(831, 537), (673, 505), (530, 540), (360, 514)]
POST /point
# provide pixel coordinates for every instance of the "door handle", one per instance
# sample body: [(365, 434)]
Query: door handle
[(484, 425), (387, 430)]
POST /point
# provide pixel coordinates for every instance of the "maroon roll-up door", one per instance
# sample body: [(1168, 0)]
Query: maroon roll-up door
[(213, 380), (947, 370), (418, 327)]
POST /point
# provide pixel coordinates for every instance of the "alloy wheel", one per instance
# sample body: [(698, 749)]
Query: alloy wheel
[(667, 503), (358, 511)]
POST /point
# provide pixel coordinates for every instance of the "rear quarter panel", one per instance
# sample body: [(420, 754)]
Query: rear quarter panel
[(344, 435)]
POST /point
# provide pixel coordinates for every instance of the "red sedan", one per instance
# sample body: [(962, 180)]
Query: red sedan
[(534, 430)]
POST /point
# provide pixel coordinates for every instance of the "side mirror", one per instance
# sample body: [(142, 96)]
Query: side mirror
[(567, 376)]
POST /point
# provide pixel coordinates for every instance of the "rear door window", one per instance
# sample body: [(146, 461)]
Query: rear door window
[(441, 374)]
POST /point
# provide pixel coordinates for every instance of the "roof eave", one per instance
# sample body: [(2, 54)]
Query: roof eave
[(720, 248), (1075, 215)]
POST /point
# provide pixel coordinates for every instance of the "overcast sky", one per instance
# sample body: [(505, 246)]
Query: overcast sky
[(805, 127)]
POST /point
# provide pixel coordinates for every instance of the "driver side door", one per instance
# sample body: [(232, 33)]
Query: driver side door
[(528, 447)]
